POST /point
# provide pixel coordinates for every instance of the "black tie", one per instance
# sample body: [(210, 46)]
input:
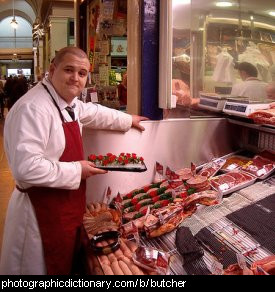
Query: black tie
[(70, 111)]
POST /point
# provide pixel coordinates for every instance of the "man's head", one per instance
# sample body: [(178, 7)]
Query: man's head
[(68, 72), (246, 70), (270, 91)]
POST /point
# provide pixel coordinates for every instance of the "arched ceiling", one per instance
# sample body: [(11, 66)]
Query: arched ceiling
[(27, 12)]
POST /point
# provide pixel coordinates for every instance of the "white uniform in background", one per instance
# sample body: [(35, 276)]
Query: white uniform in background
[(37, 147), (252, 88), (224, 70)]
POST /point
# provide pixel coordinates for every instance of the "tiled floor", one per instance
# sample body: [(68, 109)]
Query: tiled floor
[(6, 183)]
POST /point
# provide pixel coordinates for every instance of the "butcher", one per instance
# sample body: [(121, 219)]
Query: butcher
[(250, 87), (42, 140)]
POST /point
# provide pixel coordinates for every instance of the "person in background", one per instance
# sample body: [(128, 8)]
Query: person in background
[(18, 89), (250, 87), (43, 144), (122, 90), (8, 88)]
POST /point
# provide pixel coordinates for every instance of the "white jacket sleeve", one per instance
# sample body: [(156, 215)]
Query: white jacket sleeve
[(32, 157), (100, 117)]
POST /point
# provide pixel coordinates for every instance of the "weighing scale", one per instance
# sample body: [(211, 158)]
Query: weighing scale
[(213, 101), (244, 107)]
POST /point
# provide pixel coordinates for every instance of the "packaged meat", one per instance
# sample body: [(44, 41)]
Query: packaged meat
[(211, 168), (260, 167), (232, 181), (234, 163), (264, 116), (152, 260)]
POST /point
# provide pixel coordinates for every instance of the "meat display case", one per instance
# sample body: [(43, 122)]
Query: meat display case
[(176, 143)]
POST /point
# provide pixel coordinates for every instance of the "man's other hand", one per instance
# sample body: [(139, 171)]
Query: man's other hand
[(136, 122)]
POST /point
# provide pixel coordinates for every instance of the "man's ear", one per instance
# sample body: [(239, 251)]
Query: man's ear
[(51, 69)]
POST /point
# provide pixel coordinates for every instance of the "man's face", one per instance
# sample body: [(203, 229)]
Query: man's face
[(69, 76)]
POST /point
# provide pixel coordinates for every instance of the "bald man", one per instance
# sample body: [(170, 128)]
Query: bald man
[(42, 139)]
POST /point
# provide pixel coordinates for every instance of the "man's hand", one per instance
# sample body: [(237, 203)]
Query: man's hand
[(89, 169), (137, 120)]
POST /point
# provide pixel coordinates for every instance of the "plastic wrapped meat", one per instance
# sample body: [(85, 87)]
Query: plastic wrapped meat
[(152, 259), (235, 162), (260, 167), (232, 181), (264, 116), (211, 168)]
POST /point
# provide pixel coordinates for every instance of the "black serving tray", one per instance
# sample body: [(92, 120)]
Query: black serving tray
[(123, 168)]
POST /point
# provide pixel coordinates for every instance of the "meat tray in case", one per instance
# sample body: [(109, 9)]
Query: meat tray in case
[(232, 181)]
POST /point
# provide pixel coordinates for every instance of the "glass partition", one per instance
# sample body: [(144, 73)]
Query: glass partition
[(206, 39)]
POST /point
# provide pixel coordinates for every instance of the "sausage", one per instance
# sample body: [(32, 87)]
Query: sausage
[(116, 268), (134, 269), (111, 257), (126, 251), (118, 253), (98, 271), (103, 259), (107, 270), (124, 268)]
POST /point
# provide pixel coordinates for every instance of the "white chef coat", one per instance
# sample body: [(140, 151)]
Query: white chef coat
[(252, 88), (34, 141), (224, 69)]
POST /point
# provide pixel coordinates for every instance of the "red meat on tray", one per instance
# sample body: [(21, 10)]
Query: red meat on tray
[(261, 167), (232, 181)]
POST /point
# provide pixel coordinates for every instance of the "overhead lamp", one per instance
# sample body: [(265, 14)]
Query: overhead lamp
[(181, 2), (224, 4), (14, 23), (271, 13)]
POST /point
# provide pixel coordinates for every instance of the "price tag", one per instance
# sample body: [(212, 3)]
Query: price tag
[(174, 101), (261, 172)]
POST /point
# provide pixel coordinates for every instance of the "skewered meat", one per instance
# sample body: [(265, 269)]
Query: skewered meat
[(207, 198)]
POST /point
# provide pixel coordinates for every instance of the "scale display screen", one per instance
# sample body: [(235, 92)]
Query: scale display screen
[(237, 108), (209, 103)]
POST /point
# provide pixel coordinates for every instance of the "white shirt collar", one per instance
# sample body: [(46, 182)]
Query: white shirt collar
[(59, 100)]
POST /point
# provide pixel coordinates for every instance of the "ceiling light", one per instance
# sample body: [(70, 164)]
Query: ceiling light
[(14, 23), (181, 2), (272, 13), (224, 4)]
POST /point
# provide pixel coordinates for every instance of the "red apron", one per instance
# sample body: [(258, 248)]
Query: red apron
[(60, 212)]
